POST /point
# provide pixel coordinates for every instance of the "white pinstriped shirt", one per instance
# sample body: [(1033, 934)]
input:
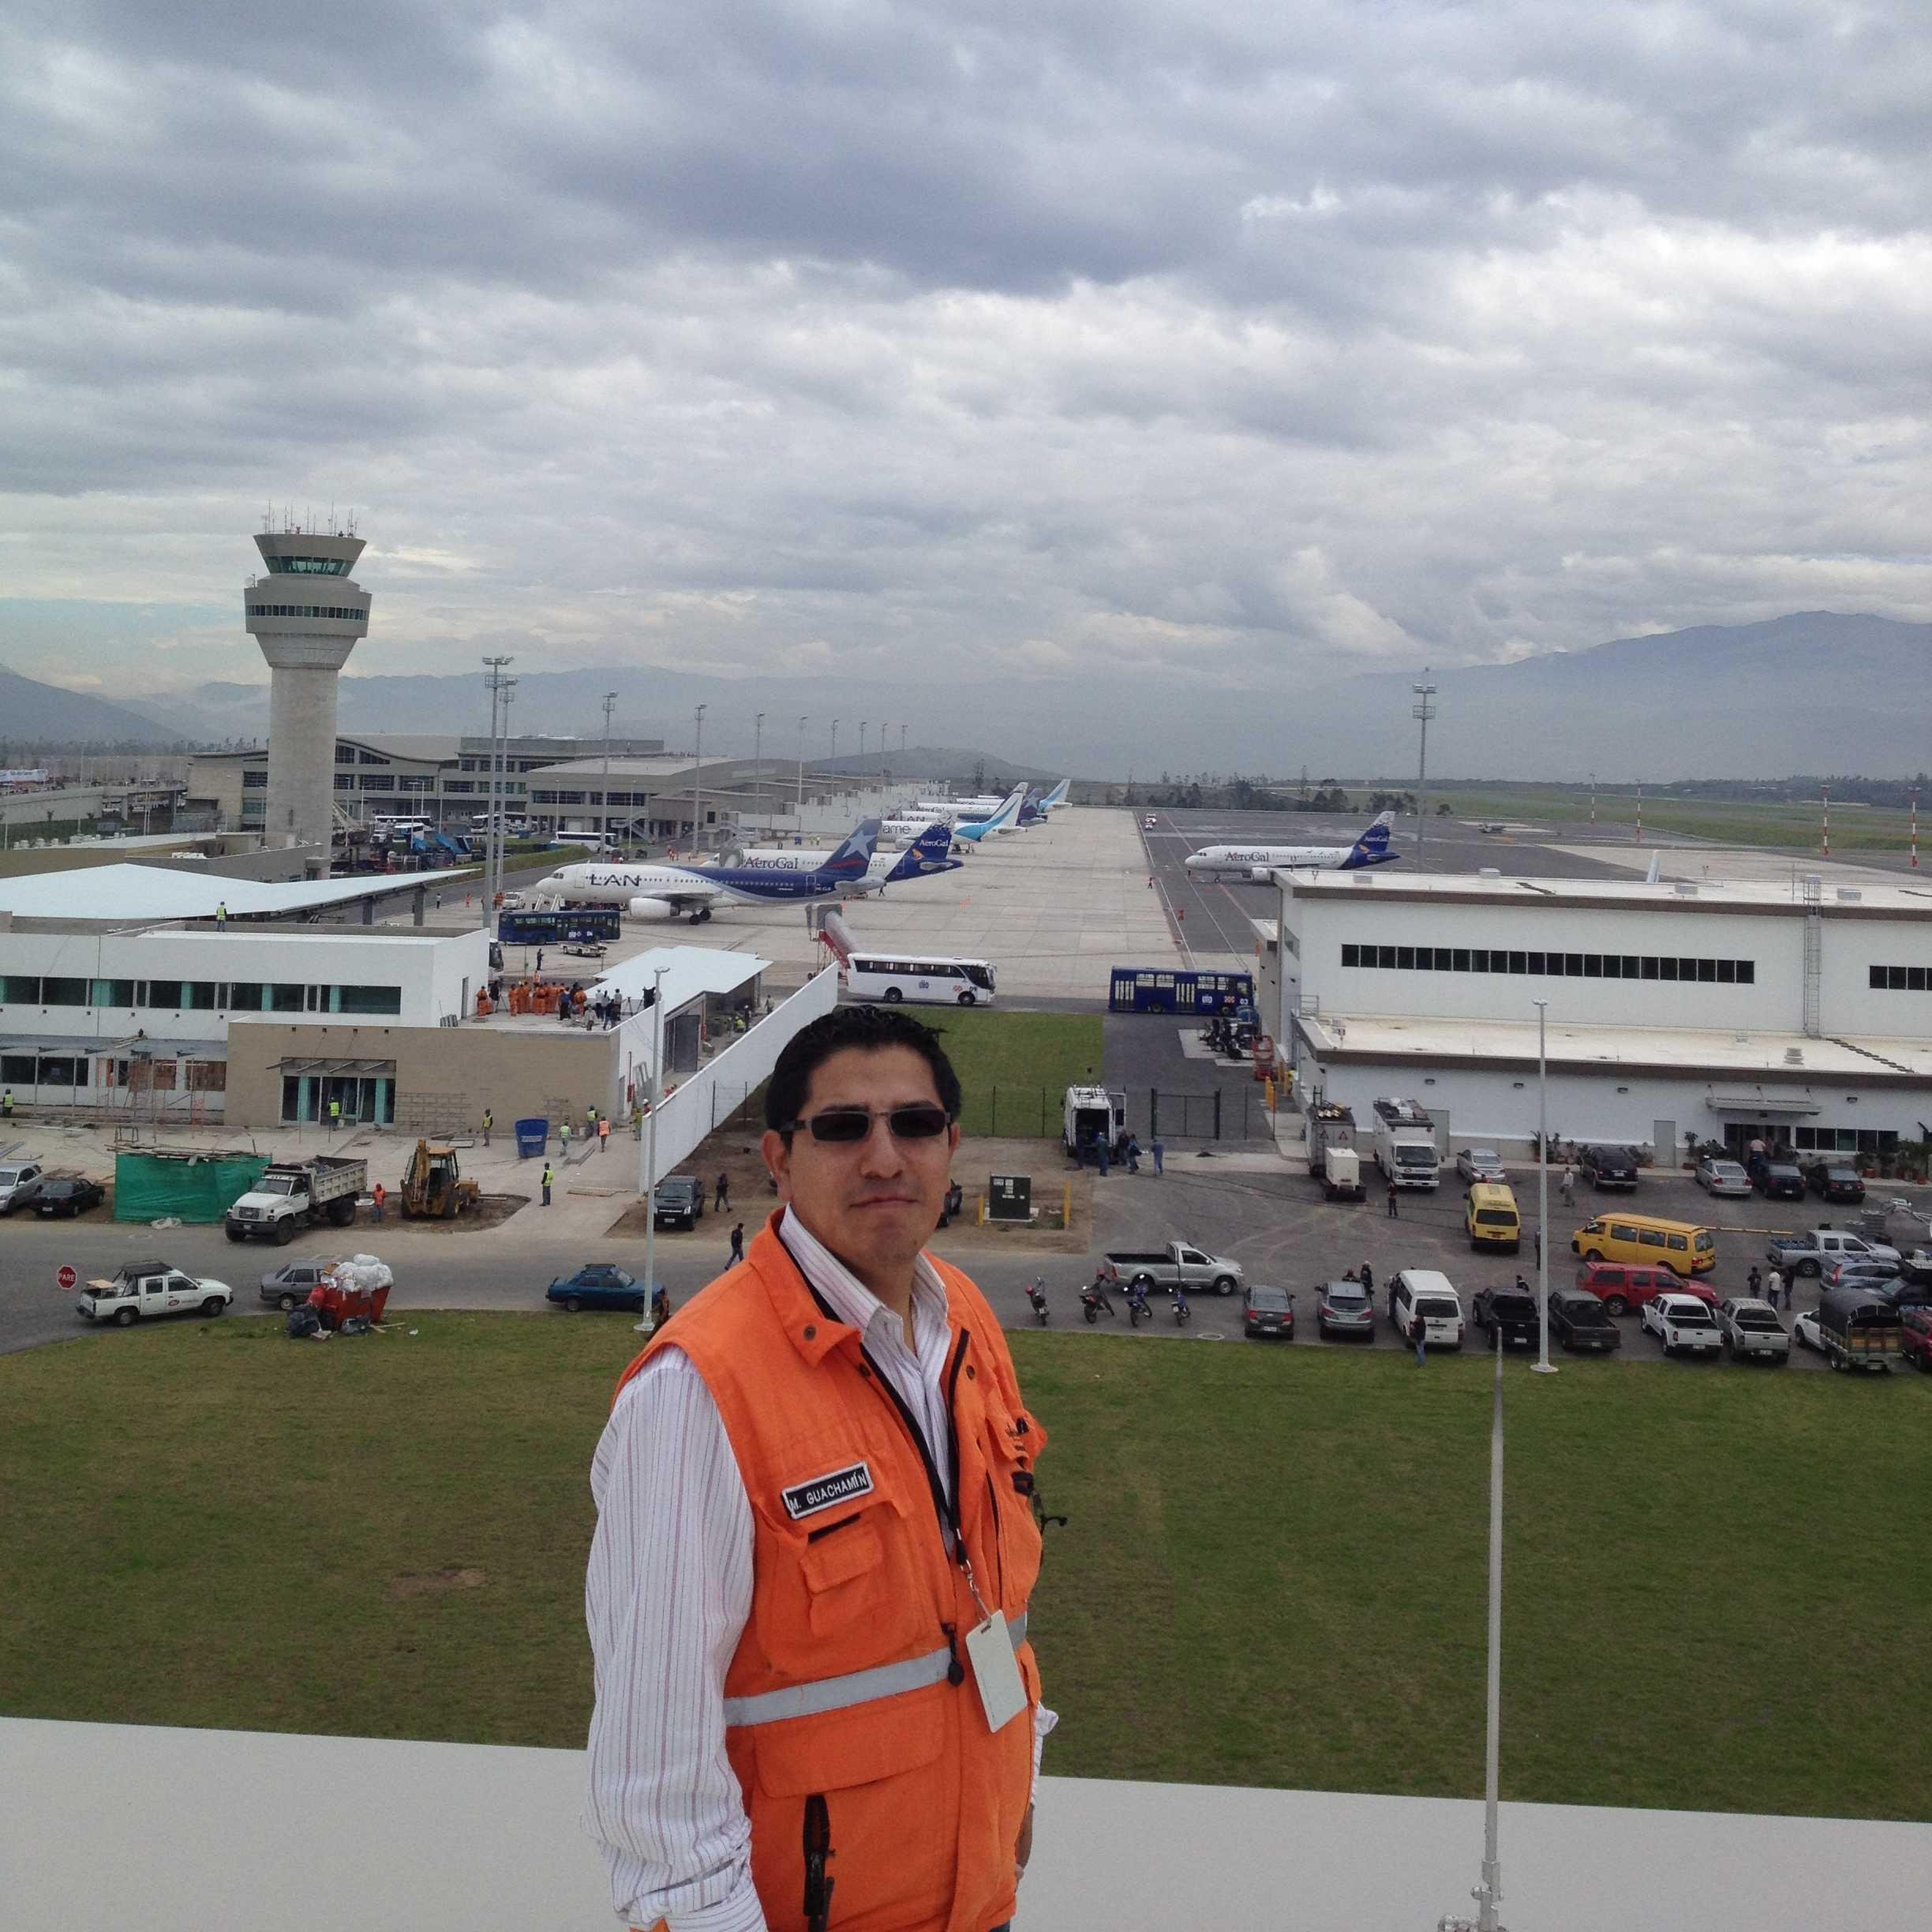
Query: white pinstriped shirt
[(666, 1598)]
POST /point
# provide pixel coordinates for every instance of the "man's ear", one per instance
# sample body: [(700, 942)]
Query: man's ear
[(952, 1138), (777, 1157)]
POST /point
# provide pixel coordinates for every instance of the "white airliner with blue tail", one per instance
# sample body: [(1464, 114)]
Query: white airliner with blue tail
[(1254, 862), (668, 892), (1006, 819), (929, 853)]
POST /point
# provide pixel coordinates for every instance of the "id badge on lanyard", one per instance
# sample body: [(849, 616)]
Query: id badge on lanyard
[(996, 1670)]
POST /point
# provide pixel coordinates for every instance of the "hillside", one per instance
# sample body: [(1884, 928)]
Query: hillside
[(32, 713)]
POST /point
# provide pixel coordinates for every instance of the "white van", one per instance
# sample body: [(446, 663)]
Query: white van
[(1425, 1296)]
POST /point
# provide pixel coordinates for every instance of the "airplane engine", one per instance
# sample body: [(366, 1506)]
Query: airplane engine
[(1258, 875), (651, 909)]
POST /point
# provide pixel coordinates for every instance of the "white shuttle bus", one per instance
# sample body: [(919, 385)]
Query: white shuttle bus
[(892, 978)]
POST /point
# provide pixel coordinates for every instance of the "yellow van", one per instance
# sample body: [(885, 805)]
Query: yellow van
[(1681, 1246), (1489, 1213)]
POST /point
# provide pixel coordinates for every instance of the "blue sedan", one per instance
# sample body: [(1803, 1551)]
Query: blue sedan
[(596, 1284)]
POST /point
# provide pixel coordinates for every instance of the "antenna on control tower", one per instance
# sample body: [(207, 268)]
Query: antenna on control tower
[(1489, 1892)]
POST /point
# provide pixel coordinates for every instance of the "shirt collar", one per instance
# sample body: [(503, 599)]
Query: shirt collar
[(850, 1299)]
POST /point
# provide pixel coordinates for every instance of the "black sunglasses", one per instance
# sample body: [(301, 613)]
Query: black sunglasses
[(843, 1126)]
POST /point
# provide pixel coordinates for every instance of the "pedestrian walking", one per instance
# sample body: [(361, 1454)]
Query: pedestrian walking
[(721, 1204), (1568, 1185), (489, 1119), (1104, 1154), (548, 1177), (335, 1115), (602, 1133), (1394, 1207), (1133, 1155), (378, 1194), (1772, 1283), (539, 960), (221, 915), (563, 1137), (1421, 1339), (1160, 1155), (1367, 1280), (1754, 1284), (737, 1244), (6, 1104)]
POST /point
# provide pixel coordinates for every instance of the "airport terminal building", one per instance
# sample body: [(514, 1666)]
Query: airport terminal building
[(1802, 1015)]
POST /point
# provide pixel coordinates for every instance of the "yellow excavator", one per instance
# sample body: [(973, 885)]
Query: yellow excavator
[(433, 1188)]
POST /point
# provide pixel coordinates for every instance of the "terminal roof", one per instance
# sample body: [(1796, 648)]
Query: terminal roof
[(136, 895), (690, 971), (1865, 900)]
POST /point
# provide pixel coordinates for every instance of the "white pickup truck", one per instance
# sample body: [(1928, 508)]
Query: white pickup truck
[(1179, 1263), (143, 1289), (1751, 1327), (1814, 1250)]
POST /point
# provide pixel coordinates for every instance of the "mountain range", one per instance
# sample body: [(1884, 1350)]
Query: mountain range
[(1818, 691)]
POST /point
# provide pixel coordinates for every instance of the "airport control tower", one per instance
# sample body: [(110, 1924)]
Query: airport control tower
[(307, 615)]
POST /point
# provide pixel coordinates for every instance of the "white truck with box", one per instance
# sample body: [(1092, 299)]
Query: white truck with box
[(1089, 1114), (294, 1195), (1405, 1144), (1334, 1158)]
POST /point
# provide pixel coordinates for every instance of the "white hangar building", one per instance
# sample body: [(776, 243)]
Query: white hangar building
[(1799, 1014)]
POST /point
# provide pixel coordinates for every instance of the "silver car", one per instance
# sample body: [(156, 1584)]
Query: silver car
[(20, 1184), (1481, 1164), (1722, 1177)]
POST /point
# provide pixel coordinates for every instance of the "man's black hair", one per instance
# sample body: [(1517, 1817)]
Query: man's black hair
[(870, 1029)]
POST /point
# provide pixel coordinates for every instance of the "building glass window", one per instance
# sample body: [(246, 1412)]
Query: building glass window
[(63, 992), (166, 994), (283, 998), (247, 996), (202, 995), (16, 1069), (113, 993), (20, 989), (366, 999)]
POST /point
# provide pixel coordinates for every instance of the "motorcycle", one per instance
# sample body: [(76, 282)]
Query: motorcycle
[(1093, 1299), (1036, 1294), (1182, 1313), (1137, 1308)]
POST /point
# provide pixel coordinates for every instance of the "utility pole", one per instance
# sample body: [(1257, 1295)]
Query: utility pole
[(1422, 711), (1544, 1364), (863, 723), (492, 832), (696, 794), (803, 719), (610, 705), (835, 739), (654, 1090), (503, 833), (758, 770), (902, 732)]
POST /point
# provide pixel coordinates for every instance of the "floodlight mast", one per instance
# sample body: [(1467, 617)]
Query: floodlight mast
[(1489, 1894)]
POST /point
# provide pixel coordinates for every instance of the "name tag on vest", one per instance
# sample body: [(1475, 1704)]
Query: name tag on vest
[(806, 1499)]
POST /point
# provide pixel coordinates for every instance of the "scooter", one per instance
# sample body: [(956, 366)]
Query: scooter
[(1182, 1313), (1036, 1294), (1093, 1299)]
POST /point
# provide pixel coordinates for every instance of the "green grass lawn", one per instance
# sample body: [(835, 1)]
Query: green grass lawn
[(1274, 1572), (1016, 1067), (1724, 821)]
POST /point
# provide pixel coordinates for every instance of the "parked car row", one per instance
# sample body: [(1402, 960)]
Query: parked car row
[(27, 1184)]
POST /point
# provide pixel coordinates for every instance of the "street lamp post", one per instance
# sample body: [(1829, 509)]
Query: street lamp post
[(697, 787), (493, 836), (803, 720), (758, 770), (654, 1092), (1544, 1365), (835, 739), (610, 705), (1422, 711)]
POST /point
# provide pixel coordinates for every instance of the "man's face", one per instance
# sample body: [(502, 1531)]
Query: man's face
[(874, 1203)]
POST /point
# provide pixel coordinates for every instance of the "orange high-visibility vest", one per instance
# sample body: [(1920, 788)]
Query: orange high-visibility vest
[(850, 1681)]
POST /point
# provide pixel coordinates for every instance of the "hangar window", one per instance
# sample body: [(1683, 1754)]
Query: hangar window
[(1592, 965), (1351, 956), (1747, 972), (1900, 978), (1518, 962), (1460, 960), (1385, 957), (1727, 972), (1404, 958)]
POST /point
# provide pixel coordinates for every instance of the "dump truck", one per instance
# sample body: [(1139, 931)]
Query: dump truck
[(293, 1195), (433, 1188)]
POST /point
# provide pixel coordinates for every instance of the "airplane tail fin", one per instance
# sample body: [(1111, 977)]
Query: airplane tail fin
[(851, 858), (1657, 864), (1057, 795), (1376, 838), (935, 842), (1372, 848)]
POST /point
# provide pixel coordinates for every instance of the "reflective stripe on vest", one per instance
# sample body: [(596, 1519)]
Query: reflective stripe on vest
[(865, 1686)]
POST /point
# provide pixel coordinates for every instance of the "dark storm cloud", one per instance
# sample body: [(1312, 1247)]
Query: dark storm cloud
[(1231, 341)]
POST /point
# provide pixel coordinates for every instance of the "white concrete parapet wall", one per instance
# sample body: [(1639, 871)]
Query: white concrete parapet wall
[(373, 1835), (725, 1080)]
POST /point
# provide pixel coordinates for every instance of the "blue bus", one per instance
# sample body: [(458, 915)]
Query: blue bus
[(580, 926), (1160, 989)]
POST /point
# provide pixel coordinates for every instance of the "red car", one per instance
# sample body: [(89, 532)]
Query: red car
[(1621, 1287), (1915, 1337)]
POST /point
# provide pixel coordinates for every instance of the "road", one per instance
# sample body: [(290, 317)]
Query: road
[(1277, 1226)]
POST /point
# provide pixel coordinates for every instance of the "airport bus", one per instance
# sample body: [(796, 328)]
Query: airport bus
[(894, 977), (579, 926), (1160, 989)]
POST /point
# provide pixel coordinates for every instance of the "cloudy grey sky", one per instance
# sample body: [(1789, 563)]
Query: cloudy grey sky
[(1236, 341)]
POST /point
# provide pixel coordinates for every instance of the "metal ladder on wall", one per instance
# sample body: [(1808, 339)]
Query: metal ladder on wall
[(1813, 893)]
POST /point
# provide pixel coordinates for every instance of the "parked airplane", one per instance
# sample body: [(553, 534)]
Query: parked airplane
[(928, 853), (1256, 862), (1004, 820), (666, 891), (1057, 797)]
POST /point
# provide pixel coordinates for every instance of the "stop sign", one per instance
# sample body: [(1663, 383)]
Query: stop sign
[(66, 1277)]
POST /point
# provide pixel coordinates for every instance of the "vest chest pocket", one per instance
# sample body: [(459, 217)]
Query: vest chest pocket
[(1008, 1454), (844, 1565)]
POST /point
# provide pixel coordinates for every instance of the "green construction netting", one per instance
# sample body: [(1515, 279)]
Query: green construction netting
[(148, 1187)]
